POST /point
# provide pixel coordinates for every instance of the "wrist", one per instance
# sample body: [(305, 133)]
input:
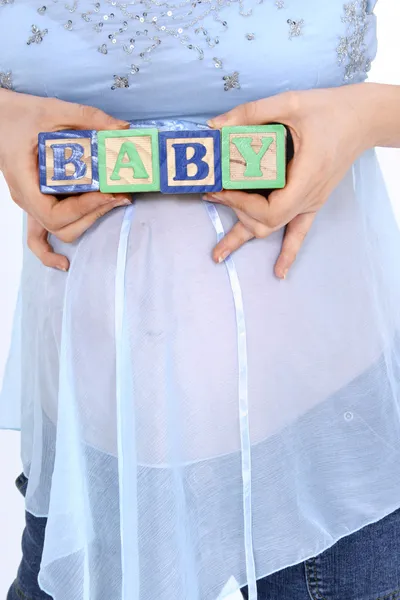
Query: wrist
[(381, 114), (6, 96)]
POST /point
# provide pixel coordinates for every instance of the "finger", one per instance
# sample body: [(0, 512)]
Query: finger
[(80, 116), (254, 206), (39, 245), (251, 224), (73, 231), (56, 214), (75, 208), (293, 239), (282, 205), (277, 108), (235, 238), (52, 213)]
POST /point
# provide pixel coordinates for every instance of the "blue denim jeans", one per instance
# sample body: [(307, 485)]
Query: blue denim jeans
[(362, 566)]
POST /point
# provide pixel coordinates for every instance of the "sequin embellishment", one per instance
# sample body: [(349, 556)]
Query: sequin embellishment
[(295, 28), (6, 80), (352, 49), (147, 26), (37, 36), (120, 82), (231, 81)]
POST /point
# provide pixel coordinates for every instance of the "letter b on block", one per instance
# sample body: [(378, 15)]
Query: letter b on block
[(190, 162), (68, 162), (254, 157)]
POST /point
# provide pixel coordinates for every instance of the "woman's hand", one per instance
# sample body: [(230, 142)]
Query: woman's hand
[(330, 129), (22, 117)]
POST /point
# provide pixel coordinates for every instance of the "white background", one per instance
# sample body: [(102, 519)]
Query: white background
[(386, 69)]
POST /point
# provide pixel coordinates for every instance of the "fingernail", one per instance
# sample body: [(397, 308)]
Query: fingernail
[(125, 199), (124, 202), (217, 121), (284, 273), (62, 268), (212, 198), (223, 256)]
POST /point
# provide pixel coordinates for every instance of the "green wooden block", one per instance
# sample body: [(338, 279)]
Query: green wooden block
[(254, 157), (128, 160)]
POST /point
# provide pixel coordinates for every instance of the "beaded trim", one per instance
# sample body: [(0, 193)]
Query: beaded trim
[(151, 28), (6, 80), (352, 49), (141, 33)]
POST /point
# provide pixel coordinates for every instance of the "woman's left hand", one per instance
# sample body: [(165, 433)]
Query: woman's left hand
[(330, 129)]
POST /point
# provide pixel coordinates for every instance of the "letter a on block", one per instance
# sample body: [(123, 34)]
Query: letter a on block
[(68, 162), (190, 162), (128, 160), (254, 157)]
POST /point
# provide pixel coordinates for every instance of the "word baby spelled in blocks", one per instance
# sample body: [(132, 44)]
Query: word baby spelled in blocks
[(173, 162)]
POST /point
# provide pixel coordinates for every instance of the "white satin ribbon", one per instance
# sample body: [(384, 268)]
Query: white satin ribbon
[(127, 460), (243, 405)]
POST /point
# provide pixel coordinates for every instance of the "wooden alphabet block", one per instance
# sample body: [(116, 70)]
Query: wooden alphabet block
[(190, 162), (128, 160), (254, 157), (68, 162)]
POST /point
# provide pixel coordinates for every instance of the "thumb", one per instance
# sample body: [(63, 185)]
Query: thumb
[(81, 116), (275, 109)]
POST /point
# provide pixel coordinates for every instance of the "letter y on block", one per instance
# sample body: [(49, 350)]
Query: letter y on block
[(254, 157)]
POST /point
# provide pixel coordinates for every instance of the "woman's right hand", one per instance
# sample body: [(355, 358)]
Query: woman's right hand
[(22, 117)]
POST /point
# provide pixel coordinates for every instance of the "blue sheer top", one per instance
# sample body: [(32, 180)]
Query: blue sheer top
[(189, 427)]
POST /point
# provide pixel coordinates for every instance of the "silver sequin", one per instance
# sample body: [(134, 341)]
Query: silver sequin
[(295, 28), (37, 35), (6, 80), (120, 82), (231, 81), (352, 50)]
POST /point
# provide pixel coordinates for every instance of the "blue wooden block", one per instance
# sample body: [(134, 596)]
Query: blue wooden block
[(68, 162), (190, 162)]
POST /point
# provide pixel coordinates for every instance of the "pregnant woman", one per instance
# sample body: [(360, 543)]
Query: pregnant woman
[(201, 418)]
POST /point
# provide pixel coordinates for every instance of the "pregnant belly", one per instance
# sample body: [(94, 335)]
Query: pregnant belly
[(307, 336)]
